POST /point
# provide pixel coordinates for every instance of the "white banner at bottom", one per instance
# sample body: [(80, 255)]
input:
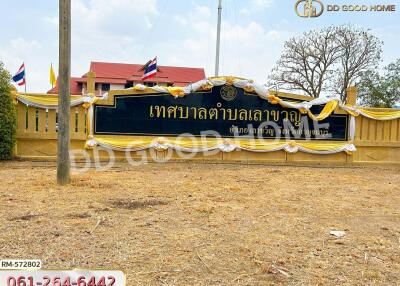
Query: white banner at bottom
[(62, 278)]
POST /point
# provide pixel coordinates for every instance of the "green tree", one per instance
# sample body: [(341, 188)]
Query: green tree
[(376, 90), (8, 121)]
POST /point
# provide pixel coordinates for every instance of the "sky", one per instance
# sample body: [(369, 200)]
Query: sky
[(178, 32)]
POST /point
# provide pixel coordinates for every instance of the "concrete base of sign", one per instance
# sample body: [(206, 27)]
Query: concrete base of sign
[(367, 153)]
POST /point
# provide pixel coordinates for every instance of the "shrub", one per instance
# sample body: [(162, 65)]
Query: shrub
[(8, 120)]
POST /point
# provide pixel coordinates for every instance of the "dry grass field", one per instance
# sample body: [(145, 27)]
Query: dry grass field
[(208, 224)]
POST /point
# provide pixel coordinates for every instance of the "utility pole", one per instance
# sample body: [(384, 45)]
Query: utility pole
[(64, 101), (218, 38)]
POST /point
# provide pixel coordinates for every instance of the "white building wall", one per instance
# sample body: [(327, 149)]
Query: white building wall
[(116, 86)]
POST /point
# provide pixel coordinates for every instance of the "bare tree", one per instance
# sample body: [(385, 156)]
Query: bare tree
[(360, 52), (329, 59), (307, 62)]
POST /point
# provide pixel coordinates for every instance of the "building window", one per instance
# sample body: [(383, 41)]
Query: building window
[(129, 84), (105, 87), (149, 83)]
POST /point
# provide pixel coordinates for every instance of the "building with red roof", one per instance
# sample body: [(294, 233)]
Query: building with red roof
[(111, 76)]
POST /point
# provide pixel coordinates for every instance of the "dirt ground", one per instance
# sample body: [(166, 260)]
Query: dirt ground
[(208, 224)]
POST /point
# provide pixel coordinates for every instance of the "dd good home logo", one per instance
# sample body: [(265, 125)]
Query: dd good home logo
[(315, 8), (309, 8), (362, 8)]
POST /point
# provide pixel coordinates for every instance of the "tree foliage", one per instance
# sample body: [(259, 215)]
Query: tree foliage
[(376, 90), (326, 60), (8, 120)]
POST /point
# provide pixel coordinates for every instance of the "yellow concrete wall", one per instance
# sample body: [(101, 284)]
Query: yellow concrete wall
[(38, 123), (369, 130), (376, 142)]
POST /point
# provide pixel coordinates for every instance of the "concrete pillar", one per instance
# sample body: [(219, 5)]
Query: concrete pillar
[(91, 82), (64, 93), (351, 95)]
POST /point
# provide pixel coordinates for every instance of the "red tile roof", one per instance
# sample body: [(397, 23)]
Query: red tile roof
[(135, 72), (75, 89), (105, 80), (119, 73)]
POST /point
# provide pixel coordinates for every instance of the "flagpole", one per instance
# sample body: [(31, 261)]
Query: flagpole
[(51, 69), (218, 38), (25, 80), (25, 77)]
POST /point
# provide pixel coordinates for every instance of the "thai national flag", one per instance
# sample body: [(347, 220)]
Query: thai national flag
[(150, 70), (19, 77)]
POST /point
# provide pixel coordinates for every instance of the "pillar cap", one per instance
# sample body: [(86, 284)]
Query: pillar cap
[(352, 89), (91, 74)]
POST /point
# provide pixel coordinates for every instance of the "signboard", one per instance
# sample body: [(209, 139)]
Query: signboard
[(228, 110)]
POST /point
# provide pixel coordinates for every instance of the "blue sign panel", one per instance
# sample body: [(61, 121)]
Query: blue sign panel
[(228, 110)]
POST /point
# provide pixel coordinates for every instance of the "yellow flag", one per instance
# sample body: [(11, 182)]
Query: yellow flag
[(53, 79)]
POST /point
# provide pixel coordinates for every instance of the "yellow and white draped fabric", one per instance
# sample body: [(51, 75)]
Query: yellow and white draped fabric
[(383, 114), (47, 101), (262, 91), (123, 143), (355, 111), (304, 107), (207, 84), (190, 144), (330, 104)]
